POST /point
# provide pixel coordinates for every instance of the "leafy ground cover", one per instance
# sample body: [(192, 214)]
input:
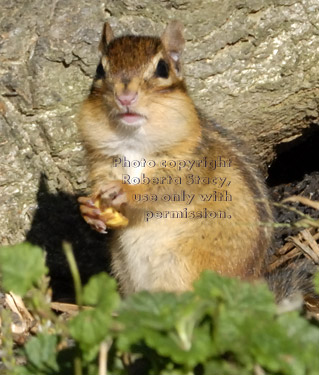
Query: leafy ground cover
[(222, 327)]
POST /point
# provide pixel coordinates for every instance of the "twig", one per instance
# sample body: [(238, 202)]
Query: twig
[(303, 200), (297, 246), (312, 243), (308, 252), (104, 347), (68, 308), (75, 273), (283, 259), (78, 296), (293, 210)]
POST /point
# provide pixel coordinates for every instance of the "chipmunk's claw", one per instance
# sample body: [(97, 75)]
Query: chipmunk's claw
[(112, 195), (100, 212), (92, 214)]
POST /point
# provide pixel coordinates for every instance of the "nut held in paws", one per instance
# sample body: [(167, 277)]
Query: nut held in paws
[(117, 221)]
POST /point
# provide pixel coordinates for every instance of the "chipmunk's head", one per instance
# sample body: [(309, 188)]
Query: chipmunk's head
[(140, 78)]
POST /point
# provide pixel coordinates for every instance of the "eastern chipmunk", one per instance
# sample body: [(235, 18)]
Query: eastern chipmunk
[(193, 200)]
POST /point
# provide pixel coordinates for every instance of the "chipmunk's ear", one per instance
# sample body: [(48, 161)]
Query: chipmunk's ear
[(107, 36), (173, 41)]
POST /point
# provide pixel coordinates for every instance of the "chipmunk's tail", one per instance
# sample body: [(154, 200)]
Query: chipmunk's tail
[(295, 279)]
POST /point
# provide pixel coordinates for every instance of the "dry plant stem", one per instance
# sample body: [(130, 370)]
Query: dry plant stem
[(283, 259), (303, 200), (307, 251), (25, 319), (293, 210), (306, 221), (69, 308), (78, 296), (258, 370), (103, 358), (293, 248), (312, 243), (304, 243), (75, 273), (289, 245)]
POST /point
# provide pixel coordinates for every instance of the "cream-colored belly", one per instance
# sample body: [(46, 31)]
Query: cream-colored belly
[(143, 259)]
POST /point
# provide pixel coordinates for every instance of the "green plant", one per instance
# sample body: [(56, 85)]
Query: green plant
[(222, 327)]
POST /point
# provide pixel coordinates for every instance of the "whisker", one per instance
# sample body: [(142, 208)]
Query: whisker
[(180, 112)]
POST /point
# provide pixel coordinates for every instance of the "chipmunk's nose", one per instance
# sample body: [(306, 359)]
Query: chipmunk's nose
[(127, 98)]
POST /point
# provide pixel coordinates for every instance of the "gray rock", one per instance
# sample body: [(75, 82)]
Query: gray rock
[(252, 65)]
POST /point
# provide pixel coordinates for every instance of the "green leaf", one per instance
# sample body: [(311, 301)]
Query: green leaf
[(242, 296), (156, 310), (41, 354), (90, 327), (101, 291), (301, 334), (19, 370), (169, 324), (248, 330), (170, 345), (22, 266), (224, 367)]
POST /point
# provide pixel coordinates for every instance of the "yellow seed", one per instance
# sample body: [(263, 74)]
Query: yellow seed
[(118, 220)]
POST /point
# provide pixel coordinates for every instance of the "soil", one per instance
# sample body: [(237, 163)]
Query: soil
[(307, 187), (294, 172)]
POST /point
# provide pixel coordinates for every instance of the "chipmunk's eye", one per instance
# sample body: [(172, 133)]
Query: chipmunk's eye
[(162, 69)]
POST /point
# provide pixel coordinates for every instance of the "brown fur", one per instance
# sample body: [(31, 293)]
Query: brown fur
[(169, 253)]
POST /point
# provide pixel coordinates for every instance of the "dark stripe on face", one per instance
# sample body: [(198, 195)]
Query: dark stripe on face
[(176, 86), (127, 55)]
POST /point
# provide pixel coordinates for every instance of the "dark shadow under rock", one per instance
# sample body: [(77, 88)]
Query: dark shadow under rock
[(56, 220)]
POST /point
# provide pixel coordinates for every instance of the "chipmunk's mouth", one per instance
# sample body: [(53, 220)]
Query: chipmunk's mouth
[(131, 118)]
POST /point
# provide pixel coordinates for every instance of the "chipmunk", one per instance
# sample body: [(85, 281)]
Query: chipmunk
[(190, 197)]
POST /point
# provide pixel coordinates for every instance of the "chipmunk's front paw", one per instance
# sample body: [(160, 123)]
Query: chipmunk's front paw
[(112, 195), (101, 210), (91, 213)]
